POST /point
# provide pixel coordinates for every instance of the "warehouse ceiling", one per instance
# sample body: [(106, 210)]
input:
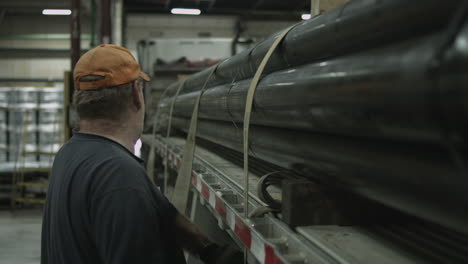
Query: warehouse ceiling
[(275, 9), (31, 7), (261, 9)]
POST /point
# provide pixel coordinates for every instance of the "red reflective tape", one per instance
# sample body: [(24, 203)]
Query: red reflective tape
[(243, 232), (220, 208), (270, 256), (194, 179), (205, 192)]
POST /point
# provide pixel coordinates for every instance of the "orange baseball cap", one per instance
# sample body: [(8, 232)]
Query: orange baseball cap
[(115, 64)]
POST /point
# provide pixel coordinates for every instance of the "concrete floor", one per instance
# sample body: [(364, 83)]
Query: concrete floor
[(20, 237)]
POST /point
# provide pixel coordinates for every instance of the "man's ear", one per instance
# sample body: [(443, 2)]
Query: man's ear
[(136, 96)]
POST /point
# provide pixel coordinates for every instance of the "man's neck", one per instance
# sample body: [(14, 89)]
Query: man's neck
[(119, 133)]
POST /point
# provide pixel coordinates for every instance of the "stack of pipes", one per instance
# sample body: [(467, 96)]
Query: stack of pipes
[(369, 97)]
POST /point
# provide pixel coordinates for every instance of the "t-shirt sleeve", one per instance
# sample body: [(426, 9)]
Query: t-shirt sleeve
[(126, 227)]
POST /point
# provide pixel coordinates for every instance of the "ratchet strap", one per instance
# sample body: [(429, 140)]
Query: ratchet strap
[(182, 186), (152, 154), (248, 111), (168, 133)]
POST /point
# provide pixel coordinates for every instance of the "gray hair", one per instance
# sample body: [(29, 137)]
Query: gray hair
[(109, 103)]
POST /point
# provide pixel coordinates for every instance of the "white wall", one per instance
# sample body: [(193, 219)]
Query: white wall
[(262, 29), (173, 33), (149, 26), (194, 49)]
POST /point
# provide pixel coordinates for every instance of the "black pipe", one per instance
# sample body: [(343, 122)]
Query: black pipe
[(381, 123), (384, 93), (421, 180), (357, 25)]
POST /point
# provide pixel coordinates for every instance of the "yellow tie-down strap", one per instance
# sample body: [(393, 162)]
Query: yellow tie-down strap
[(248, 112), (183, 182), (152, 154), (168, 133)]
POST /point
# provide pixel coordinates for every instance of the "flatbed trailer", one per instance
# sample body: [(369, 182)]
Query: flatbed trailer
[(217, 192)]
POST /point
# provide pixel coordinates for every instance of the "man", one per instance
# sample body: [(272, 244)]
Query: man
[(101, 207)]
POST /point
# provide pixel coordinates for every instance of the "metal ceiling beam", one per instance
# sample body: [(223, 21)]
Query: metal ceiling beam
[(22, 7), (35, 53), (2, 15), (75, 32), (303, 6), (33, 4), (247, 13), (85, 7), (167, 5), (106, 25), (258, 4), (41, 37), (211, 5), (219, 10)]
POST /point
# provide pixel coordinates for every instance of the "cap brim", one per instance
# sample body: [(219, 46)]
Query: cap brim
[(144, 76)]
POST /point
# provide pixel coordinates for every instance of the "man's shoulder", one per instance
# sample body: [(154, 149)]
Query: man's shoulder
[(99, 149), (119, 171), (103, 165)]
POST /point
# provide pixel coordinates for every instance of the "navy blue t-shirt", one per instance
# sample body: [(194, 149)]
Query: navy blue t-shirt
[(102, 208)]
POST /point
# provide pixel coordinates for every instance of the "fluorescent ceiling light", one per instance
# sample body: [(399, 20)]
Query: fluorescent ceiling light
[(57, 12), (185, 11), (306, 16)]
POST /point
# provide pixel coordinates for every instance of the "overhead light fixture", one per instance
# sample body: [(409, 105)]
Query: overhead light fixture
[(306, 16), (185, 11), (56, 12)]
